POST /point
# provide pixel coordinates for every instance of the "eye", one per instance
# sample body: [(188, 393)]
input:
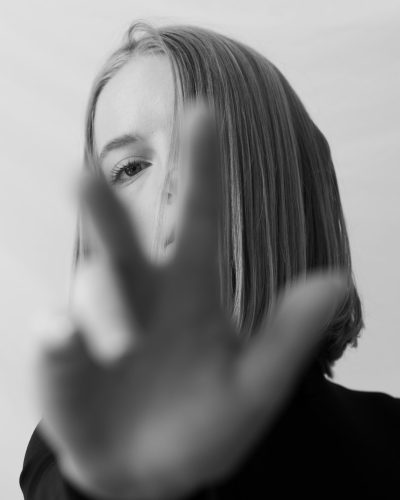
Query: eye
[(121, 174)]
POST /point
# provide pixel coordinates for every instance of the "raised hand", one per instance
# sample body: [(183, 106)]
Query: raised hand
[(150, 391)]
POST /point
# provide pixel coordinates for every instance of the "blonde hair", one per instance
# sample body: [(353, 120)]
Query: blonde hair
[(281, 206)]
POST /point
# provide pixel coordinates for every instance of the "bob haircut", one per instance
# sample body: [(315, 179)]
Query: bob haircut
[(281, 208)]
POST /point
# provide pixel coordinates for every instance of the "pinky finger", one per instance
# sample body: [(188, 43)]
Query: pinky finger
[(271, 362)]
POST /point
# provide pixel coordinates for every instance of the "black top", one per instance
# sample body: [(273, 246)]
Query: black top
[(328, 442)]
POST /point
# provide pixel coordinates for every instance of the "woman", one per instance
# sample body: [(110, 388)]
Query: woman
[(211, 300)]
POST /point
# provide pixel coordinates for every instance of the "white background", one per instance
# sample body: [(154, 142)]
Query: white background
[(342, 58)]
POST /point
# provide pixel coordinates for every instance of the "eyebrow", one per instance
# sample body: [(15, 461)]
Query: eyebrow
[(119, 142)]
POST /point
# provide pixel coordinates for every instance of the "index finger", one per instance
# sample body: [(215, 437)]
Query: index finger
[(114, 229), (118, 242)]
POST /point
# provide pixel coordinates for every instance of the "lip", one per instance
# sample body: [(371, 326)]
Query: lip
[(168, 243), (170, 239)]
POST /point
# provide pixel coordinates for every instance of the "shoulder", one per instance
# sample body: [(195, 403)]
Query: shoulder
[(319, 390), (362, 425), (41, 478), (328, 440), (358, 424), (373, 406)]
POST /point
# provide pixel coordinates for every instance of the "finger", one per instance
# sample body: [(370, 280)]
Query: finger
[(111, 224), (272, 359), (113, 231), (197, 228), (100, 313), (60, 350), (63, 367)]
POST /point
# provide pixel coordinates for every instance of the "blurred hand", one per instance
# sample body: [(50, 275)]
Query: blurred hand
[(149, 391)]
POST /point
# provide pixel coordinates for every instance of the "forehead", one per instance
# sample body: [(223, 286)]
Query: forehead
[(139, 98)]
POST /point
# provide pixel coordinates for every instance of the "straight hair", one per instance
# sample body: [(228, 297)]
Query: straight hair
[(281, 209)]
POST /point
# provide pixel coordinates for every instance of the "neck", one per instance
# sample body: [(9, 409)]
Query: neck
[(312, 379)]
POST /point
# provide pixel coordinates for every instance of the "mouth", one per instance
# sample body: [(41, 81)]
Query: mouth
[(169, 240)]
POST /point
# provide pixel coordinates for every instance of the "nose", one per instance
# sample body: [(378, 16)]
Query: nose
[(172, 186), (171, 191)]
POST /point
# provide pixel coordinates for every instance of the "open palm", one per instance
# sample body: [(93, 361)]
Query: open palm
[(176, 398)]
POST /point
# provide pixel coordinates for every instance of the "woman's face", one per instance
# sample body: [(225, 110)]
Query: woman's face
[(132, 130)]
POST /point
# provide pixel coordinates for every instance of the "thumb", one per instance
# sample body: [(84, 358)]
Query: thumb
[(273, 358), (58, 339), (63, 371)]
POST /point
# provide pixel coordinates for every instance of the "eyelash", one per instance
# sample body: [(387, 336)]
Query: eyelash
[(118, 171)]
